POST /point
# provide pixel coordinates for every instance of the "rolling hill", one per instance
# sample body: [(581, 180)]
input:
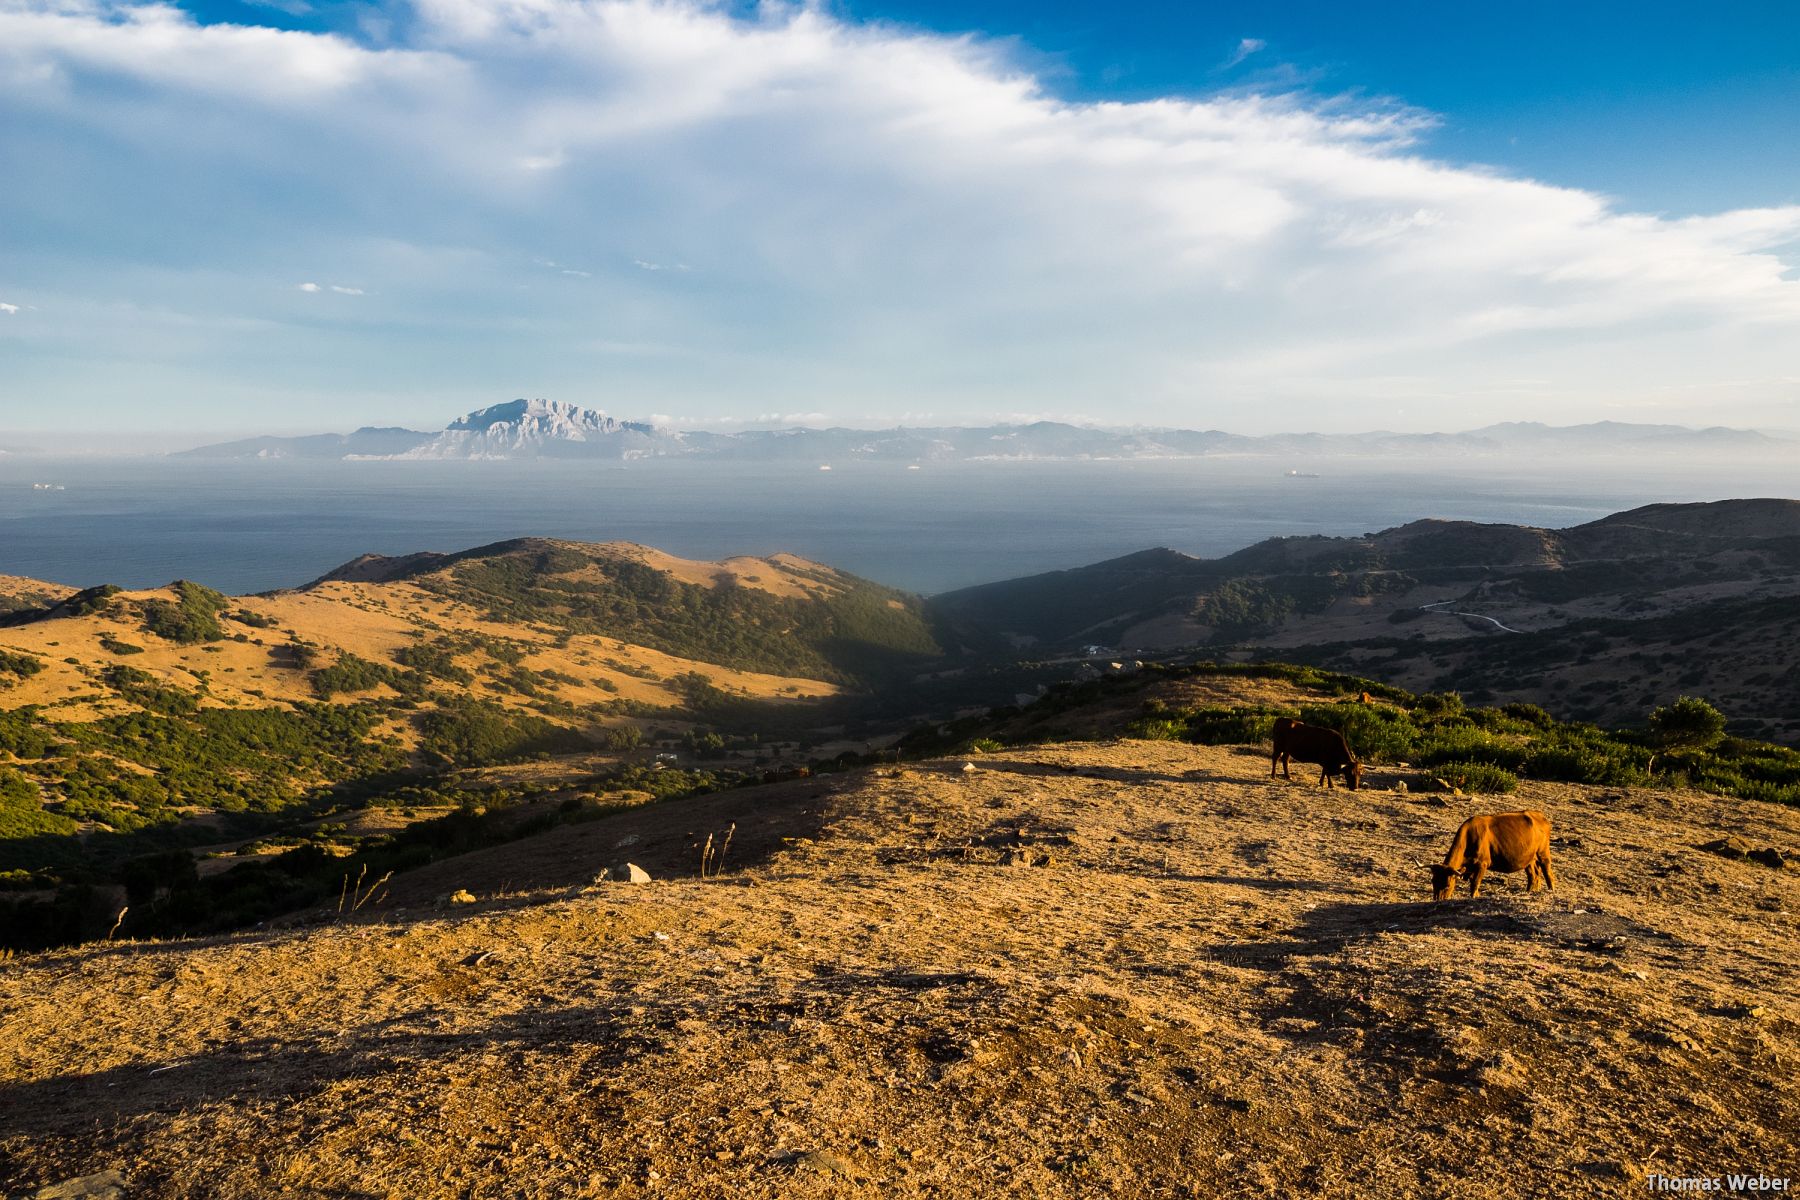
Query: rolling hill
[(139, 724), (1604, 619)]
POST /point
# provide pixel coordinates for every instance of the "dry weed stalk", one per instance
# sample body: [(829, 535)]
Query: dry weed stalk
[(117, 921), (711, 864), (345, 887), (720, 864), (363, 897)]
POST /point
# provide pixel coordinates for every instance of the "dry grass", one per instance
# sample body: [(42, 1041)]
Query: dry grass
[(1207, 984), (371, 620)]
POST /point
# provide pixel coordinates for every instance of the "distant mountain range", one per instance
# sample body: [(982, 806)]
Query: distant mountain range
[(1602, 620), (528, 429)]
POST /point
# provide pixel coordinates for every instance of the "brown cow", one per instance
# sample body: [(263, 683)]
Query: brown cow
[(1515, 841), (1292, 741)]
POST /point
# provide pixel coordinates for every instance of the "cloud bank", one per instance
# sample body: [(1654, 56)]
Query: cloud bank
[(790, 211)]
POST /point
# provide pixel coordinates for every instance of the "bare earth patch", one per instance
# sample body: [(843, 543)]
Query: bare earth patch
[(1123, 968)]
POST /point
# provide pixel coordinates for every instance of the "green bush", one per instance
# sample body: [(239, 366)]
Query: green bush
[(147, 691), (351, 674), (22, 665), (1467, 743), (477, 733), (1688, 724), (191, 618)]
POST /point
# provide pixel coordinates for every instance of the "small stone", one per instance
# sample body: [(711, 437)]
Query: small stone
[(1768, 857), (1726, 848), (107, 1185), (968, 768), (1016, 858), (825, 1162), (1502, 1071), (461, 896), (1400, 786), (636, 874)]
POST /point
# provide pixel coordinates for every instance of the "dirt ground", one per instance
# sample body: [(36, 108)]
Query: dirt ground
[(1087, 969)]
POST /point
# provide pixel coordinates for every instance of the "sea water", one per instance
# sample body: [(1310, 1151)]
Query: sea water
[(244, 526)]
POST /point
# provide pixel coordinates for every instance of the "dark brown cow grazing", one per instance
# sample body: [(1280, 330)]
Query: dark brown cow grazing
[(1296, 742), (1515, 841)]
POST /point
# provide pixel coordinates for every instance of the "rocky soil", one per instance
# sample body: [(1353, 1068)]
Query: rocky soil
[(1106, 968)]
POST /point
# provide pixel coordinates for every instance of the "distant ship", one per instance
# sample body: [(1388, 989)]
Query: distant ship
[(912, 466), (1301, 475), (824, 466), (47, 487)]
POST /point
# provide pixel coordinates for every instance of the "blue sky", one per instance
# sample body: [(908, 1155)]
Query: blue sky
[(1670, 106), (305, 215)]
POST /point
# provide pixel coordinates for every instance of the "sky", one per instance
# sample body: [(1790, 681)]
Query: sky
[(300, 215)]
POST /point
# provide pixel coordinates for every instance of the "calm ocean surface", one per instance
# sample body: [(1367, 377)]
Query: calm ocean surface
[(251, 526)]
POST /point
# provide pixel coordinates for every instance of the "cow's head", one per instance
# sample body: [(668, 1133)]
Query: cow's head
[(1353, 775), (1443, 882)]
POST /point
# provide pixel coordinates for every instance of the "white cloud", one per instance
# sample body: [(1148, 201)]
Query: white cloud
[(883, 216), (8, 309), (1245, 49), (346, 291)]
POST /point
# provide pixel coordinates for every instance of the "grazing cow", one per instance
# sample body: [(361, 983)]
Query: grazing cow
[(1515, 841), (1293, 741)]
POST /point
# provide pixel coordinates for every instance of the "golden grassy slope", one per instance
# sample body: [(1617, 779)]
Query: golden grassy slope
[(371, 620), (1212, 984)]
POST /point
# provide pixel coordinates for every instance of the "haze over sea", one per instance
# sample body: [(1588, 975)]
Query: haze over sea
[(254, 526)]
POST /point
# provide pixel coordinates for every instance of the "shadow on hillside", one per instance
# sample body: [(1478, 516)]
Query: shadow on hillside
[(1328, 928), (747, 826)]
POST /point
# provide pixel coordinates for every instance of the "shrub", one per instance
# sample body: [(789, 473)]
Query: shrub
[(192, 617), (1688, 724), (22, 665), (351, 674), (1467, 743)]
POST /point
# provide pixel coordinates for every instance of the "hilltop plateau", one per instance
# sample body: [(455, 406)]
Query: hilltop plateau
[(1104, 966)]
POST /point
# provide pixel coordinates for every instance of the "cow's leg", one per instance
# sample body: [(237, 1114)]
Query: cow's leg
[(1475, 874), (1325, 778), (1544, 866)]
